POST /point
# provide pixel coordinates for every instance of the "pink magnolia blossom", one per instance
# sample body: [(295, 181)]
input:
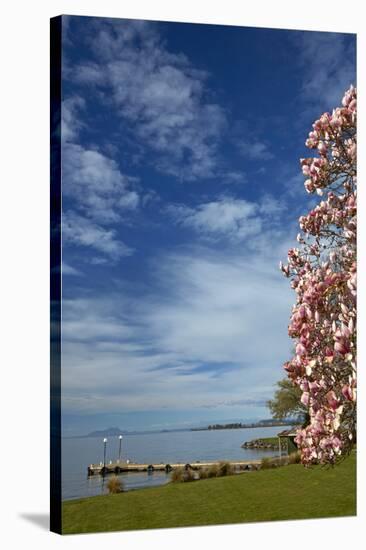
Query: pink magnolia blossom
[(305, 399), (323, 272)]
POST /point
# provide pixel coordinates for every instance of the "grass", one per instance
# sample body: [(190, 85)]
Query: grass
[(269, 440), (273, 441), (290, 492)]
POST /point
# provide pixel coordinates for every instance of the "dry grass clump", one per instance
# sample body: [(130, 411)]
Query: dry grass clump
[(218, 470), (294, 458), (182, 474), (177, 475), (280, 461), (203, 473), (189, 475), (225, 469), (266, 463), (212, 470), (215, 470), (114, 485)]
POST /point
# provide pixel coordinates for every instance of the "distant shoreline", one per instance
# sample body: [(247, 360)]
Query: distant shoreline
[(124, 433), (243, 427)]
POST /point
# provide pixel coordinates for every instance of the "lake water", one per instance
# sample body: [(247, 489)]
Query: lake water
[(167, 447)]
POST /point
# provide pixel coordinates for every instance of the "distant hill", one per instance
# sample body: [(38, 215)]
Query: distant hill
[(110, 432), (115, 432), (104, 433)]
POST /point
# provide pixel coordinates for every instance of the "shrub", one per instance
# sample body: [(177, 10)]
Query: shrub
[(203, 473), (114, 485)]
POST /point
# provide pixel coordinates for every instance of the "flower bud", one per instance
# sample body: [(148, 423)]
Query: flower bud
[(305, 399), (351, 326), (322, 148)]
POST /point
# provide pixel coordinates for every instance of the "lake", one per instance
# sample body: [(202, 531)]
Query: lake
[(167, 447)]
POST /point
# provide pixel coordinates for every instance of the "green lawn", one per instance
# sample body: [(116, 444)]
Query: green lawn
[(289, 492)]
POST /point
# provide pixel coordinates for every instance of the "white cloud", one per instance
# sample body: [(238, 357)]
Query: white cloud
[(101, 194), (69, 270), (71, 124), (222, 308), (233, 218), (234, 177), (328, 63), (255, 150), (93, 320), (96, 183), (271, 207), (163, 97), (211, 330), (81, 231), (230, 218)]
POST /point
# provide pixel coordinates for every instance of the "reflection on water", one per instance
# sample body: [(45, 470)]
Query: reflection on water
[(167, 447)]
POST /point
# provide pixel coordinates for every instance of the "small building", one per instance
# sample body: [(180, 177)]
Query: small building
[(289, 437)]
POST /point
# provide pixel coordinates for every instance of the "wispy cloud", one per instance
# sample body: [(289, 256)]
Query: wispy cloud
[(213, 336), (69, 270), (101, 194), (228, 217), (255, 150), (235, 177), (71, 121), (164, 98), (328, 67), (79, 230), (271, 208), (232, 218), (97, 185)]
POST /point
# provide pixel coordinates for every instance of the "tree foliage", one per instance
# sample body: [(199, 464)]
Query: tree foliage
[(287, 402)]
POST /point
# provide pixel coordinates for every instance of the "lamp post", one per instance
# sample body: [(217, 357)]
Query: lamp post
[(120, 446), (105, 451)]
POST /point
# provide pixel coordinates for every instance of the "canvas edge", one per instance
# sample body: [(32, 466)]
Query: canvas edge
[(55, 273)]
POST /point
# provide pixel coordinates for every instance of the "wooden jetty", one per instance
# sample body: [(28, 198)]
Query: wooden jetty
[(119, 467)]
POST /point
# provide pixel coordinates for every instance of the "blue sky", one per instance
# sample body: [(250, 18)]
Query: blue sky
[(181, 191)]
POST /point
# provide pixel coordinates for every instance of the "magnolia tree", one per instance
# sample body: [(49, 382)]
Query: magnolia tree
[(323, 273)]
